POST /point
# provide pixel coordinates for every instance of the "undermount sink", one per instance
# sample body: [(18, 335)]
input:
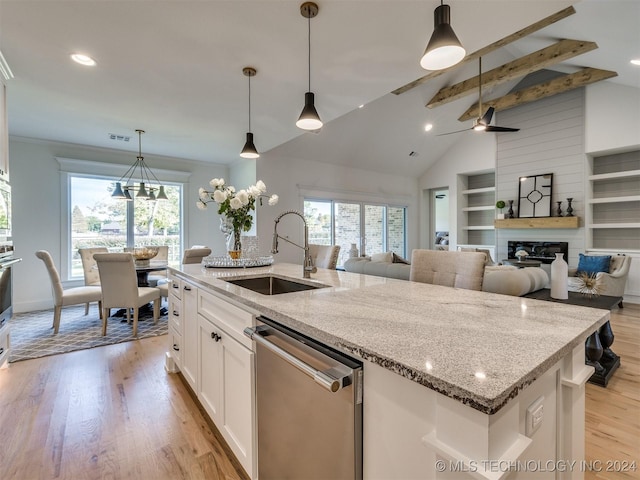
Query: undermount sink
[(271, 285)]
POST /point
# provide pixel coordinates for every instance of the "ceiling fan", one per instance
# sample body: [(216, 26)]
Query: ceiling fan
[(481, 124)]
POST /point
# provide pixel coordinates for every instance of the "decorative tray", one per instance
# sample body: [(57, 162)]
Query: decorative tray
[(226, 262)]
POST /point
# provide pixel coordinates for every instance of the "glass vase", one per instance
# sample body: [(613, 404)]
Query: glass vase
[(234, 244), (559, 278)]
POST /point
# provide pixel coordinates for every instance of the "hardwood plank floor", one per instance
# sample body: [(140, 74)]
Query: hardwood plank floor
[(113, 412), (613, 413), (108, 412)]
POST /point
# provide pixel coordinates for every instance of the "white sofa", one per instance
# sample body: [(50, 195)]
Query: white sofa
[(507, 280)]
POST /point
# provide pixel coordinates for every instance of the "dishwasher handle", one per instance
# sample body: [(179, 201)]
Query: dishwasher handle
[(323, 379)]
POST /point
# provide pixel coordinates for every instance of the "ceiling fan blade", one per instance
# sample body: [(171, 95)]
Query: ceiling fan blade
[(493, 128), (488, 115), (450, 133)]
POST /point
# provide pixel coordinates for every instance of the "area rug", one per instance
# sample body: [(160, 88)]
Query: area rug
[(32, 335)]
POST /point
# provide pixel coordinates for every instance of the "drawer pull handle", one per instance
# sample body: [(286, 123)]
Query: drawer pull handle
[(187, 288), (1, 350), (2, 322), (176, 314), (176, 347), (174, 285), (216, 337)]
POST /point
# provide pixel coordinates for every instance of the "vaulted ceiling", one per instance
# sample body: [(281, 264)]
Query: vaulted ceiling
[(174, 68)]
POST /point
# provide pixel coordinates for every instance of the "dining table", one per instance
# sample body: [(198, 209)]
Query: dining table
[(143, 270)]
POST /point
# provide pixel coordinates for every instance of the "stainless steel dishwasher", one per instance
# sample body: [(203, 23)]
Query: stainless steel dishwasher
[(309, 402)]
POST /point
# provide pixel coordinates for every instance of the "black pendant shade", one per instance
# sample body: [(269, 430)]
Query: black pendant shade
[(249, 150), (444, 49)]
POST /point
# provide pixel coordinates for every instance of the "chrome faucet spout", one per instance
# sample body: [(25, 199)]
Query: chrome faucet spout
[(307, 266)]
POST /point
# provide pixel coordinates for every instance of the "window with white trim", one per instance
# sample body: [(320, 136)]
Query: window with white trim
[(372, 227), (98, 220)]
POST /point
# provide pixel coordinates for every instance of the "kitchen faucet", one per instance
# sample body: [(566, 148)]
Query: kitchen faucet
[(307, 267)]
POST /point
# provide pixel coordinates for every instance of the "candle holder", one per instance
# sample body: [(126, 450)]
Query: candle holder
[(569, 208), (559, 209)]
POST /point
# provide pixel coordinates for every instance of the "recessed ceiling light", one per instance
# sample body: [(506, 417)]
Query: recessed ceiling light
[(360, 106), (636, 61), (83, 59), (428, 127)]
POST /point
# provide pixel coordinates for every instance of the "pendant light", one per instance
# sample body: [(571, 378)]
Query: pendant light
[(309, 118), (249, 150), (444, 49), (145, 189)]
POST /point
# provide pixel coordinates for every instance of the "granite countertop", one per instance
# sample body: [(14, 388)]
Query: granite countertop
[(479, 348)]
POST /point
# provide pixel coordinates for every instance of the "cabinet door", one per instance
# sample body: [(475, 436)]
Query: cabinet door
[(237, 423), (210, 381), (190, 334)]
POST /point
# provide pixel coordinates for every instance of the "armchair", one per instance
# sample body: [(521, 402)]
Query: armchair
[(614, 282)]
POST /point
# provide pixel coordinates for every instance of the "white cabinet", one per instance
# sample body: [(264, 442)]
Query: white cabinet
[(4, 134), (4, 341), (227, 375), (175, 323), (207, 345), (189, 319)]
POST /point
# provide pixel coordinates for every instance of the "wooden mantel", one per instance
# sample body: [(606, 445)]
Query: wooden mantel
[(543, 222)]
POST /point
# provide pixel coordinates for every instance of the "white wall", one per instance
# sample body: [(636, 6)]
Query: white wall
[(475, 152), (612, 117), (292, 179), (37, 209)]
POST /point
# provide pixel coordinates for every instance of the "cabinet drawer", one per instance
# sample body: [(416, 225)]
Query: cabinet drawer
[(175, 346), (233, 319), (4, 345), (175, 313), (175, 286)]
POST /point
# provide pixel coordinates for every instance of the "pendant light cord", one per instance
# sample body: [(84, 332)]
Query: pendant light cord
[(249, 103), (309, 49)]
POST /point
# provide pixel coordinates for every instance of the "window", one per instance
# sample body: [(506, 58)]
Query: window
[(373, 228), (97, 220)]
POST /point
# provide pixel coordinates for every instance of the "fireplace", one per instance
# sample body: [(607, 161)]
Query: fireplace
[(544, 252)]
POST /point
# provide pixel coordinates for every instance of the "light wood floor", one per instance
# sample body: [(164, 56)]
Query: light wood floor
[(613, 413), (113, 412), (108, 412)]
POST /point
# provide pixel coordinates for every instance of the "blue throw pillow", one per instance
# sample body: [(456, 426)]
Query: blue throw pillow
[(592, 264)]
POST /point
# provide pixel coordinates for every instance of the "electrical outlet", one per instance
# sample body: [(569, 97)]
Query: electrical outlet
[(535, 414)]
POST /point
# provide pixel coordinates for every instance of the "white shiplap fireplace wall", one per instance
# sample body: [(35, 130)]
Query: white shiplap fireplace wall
[(550, 140)]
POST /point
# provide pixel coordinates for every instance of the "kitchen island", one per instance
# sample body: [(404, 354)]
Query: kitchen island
[(457, 383)]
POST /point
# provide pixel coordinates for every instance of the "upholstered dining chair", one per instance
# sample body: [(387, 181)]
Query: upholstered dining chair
[(120, 289), (448, 268), (70, 296), (90, 269), (324, 256), (161, 275), (195, 255)]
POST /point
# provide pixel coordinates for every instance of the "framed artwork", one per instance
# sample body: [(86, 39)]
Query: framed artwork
[(534, 196)]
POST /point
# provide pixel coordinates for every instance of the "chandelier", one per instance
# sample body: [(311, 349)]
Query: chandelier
[(145, 189)]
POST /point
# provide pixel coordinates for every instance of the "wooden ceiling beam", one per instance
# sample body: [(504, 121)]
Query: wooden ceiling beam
[(547, 89), (534, 27), (551, 55)]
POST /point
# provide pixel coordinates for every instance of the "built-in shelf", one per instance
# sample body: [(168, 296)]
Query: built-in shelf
[(613, 175), (545, 222), (479, 209), (627, 198), (615, 225), (479, 227), (613, 202), (473, 191)]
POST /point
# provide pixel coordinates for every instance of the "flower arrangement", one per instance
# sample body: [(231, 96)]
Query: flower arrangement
[(236, 206), (588, 284), (521, 255)]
